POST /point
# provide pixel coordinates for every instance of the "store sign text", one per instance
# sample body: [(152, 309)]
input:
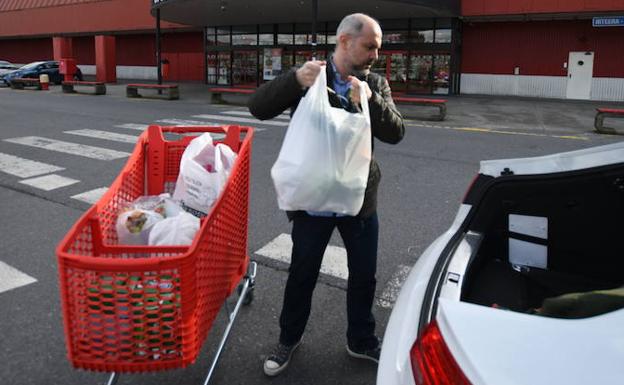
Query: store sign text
[(612, 21)]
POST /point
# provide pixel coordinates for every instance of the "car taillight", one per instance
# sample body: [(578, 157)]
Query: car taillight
[(432, 361), (472, 182)]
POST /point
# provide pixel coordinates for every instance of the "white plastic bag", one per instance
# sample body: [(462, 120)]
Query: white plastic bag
[(325, 157), (204, 169), (177, 230)]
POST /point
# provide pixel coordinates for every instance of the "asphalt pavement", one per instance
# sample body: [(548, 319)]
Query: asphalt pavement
[(83, 141)]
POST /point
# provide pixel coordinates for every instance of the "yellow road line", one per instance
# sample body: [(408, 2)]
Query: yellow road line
[(492, 131)]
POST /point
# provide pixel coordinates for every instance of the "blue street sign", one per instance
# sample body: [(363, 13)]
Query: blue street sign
[(608, 21)]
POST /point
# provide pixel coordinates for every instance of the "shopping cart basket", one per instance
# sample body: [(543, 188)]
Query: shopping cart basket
[(147, 308)]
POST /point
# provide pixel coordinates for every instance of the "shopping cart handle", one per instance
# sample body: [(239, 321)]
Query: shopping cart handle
[(232, 132)]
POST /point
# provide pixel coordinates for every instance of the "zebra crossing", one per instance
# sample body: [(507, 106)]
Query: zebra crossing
[(45, 177)]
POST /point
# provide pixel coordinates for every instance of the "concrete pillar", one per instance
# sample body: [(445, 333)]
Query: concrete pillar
[(62, 47), (105, 60)]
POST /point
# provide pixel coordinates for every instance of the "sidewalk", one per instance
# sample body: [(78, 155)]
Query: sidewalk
[(532, 115), (527, 115)]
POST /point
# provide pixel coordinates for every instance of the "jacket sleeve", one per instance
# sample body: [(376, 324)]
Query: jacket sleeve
[(272, 98), (386, 121)]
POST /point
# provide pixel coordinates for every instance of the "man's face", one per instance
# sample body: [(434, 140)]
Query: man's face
[(362, 50)]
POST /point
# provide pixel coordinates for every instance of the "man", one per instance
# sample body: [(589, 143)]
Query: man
[(358, 41)]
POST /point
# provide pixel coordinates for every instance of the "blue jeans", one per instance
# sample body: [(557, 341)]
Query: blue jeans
[(310, 236)]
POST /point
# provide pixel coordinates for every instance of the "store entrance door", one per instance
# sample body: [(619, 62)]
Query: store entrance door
[(580, 73)]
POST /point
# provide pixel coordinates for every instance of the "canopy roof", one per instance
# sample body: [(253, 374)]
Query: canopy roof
[(242, 12)]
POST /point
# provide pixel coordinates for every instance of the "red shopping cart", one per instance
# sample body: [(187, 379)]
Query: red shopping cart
[(147, 308)]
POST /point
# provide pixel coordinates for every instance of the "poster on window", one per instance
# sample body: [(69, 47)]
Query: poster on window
[(272, 63)]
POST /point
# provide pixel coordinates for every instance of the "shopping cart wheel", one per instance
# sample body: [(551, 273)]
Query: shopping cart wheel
[(249, 296)]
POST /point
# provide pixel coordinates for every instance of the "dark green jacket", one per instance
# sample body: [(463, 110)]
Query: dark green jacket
[(284, 92)]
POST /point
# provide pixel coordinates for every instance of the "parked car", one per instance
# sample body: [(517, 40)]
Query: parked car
[(33, 70), (6, 66), (526, 286)]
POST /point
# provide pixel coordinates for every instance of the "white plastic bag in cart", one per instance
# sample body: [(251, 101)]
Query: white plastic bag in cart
[(177, 230), (325, 157), (204, 169)]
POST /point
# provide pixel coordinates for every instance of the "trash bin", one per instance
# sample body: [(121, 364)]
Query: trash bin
[(44, 80), (165, 68)]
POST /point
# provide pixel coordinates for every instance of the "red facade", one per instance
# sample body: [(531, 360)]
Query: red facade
[(515, 7), (540, 48), (77, 17)]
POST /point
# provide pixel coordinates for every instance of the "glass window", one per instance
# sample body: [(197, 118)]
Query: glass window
[(423, 36), (331, 39), (303, 38), (285, 34), (211, 38), (419, 74), (218, 67), (287, 60), (380, 65), (223, 36), (422, 31), (285, 38), (443, 30), (244, 68), (211, 67), (443, 36), (441, 71), (223, 39), (266, 39), (223, 68), (245, 39), (394, 37)]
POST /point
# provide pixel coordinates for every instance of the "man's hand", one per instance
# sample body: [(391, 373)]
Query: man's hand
[(307, 74), (355, 89)]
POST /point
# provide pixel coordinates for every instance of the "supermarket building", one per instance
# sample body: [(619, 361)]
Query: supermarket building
[(548, 48)]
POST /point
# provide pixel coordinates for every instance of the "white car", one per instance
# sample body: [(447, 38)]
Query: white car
[(5, 67), (526, 287)]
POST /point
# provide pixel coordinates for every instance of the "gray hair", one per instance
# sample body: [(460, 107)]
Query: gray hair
[(352, 24)]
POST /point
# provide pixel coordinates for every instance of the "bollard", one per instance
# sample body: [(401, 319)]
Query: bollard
[(44, 80)]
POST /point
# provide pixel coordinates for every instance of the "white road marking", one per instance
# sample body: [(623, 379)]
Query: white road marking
[(69, 148), (97, 134), (49, 182), (247, 113), (392, 289), (241, 120), (11, 278), (334, 259), (91, 196), (25, 168), (133, 126)]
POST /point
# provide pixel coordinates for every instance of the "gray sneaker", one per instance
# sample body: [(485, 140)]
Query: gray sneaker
[(279, 358)]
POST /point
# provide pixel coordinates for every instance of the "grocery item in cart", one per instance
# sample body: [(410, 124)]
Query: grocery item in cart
[(204, 170), (137, 219), (134, 225)]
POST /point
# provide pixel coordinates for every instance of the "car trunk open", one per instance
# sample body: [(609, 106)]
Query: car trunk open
[(543, 236)]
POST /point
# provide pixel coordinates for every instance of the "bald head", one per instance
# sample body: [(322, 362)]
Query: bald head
[(358, 40), (355, 23)]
